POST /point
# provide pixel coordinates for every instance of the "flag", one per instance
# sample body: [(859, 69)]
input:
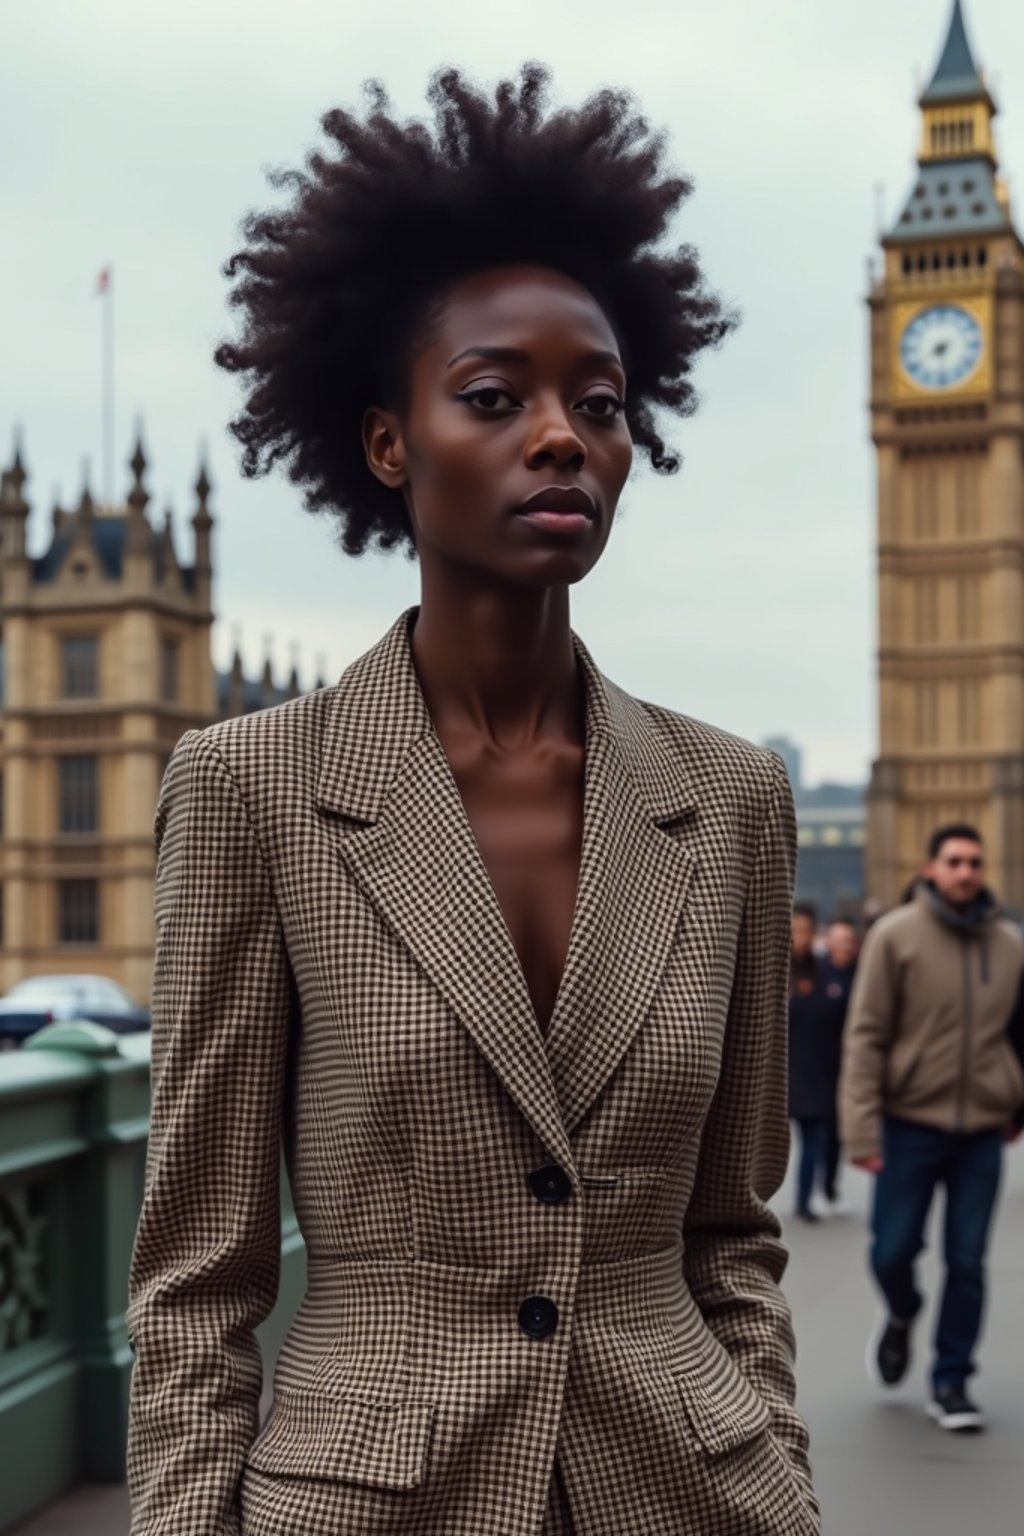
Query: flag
[(103, 281)]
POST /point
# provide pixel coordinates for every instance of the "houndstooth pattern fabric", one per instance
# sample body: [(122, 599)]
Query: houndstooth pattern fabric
[(333, 971)]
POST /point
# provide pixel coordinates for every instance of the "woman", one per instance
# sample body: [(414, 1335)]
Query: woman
[(498, 950)]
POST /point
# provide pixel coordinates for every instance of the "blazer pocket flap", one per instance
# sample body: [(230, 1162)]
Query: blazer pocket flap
[(723, 1409), (347, 1439)]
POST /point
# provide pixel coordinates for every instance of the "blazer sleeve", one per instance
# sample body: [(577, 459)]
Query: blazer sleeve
[(206, 1261), (734, 1256)]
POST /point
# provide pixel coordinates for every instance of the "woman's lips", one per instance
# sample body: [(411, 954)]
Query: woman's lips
[(557, 522), (559, 509)]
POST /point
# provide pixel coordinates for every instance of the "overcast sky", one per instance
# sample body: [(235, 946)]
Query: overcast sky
[(741, 590)]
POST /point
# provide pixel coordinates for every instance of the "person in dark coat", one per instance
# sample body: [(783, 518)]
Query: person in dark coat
[(819, 996)]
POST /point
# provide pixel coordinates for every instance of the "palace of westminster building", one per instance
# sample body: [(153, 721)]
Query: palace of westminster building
[(106, 636), (106, 661)]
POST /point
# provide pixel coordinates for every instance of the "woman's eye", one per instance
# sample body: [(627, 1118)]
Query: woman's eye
[(602, 407), (489, 397)]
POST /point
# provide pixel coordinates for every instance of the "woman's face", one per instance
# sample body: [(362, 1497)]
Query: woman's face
[(513, 449)]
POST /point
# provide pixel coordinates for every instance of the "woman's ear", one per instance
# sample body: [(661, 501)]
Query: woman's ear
[(384, 447)]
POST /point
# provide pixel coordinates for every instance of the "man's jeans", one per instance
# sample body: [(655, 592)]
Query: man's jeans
[(917, 1158)]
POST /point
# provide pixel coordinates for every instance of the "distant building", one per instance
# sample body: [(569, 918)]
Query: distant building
[(105, 656), (831, 823), (791, 755), (831, 829)]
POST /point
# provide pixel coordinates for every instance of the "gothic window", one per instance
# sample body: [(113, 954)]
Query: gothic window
[(968, 713), (968, 608), (924, 505), (78, 914), (78, 794), (168, 670), (926, 714), (79, 666), (926, 610), (965, 478)]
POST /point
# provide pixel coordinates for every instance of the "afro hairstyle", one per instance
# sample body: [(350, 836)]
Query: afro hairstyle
[(336, 288)]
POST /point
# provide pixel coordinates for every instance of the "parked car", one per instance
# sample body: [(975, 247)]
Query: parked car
[(43, 999)]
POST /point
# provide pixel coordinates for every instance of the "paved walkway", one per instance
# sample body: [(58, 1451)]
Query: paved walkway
[(882, 1468)]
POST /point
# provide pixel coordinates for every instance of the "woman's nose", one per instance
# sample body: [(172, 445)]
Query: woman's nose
[(555, 441)]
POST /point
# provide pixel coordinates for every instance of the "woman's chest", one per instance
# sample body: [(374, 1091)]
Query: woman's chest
[(527, 822)]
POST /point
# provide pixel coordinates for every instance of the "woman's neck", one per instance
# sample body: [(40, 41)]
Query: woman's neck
[(498, 664)]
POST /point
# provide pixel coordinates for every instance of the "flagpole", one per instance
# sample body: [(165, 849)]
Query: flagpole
[(108, 387)]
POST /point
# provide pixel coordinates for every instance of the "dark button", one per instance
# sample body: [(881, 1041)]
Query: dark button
[(551, 1184), (538, 1317)]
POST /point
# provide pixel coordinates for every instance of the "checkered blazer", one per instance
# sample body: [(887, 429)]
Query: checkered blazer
[(523, 1249)]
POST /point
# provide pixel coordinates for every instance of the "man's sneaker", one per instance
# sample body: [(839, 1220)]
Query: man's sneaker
[(952, 1409), (889, 1352)]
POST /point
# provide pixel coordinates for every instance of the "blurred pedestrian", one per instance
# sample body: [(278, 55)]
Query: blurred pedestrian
[(842, 950), (818, 997), (871, 911), (931, 1087)]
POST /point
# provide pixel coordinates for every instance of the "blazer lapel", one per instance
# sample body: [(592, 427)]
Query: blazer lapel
[(417, 861), (634, 879)]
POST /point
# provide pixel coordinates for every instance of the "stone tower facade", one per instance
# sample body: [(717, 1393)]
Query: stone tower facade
[(947, 419), (106, 661)]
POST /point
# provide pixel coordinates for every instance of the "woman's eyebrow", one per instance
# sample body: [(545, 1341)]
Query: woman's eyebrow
[(517, 355)]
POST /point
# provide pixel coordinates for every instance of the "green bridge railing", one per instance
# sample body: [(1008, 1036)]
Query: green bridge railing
[(74, 1116)]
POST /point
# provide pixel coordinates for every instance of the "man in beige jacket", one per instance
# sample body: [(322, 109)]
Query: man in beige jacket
[(932, 1085)]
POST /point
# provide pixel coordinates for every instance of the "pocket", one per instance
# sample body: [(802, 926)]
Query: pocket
[(749, 1472), (998, 1081), (901, 1073), (722, 1408), (372, 1443), (1015, 1070)]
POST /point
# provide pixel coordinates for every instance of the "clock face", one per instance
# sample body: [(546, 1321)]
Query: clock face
[(941, 346)]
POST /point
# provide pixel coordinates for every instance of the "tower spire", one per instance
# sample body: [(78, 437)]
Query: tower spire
[(14, 509), (957, 191), (957, 77)]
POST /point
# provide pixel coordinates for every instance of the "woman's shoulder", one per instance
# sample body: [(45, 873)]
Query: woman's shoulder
[(715, 762), (716, 744), (265, 744)]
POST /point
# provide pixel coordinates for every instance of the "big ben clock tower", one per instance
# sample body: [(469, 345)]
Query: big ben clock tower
[(947, 413)]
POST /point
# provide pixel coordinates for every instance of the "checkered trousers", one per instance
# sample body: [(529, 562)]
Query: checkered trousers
[(543, 1290)]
